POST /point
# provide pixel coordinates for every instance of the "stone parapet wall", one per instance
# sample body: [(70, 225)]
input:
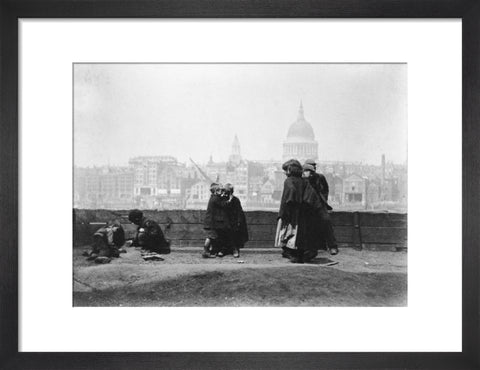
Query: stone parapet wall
[(361, 230)]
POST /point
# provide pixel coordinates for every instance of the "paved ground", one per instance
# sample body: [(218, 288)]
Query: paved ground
[(257, 278)]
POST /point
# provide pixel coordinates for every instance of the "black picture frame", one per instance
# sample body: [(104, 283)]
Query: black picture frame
[(11, 11)]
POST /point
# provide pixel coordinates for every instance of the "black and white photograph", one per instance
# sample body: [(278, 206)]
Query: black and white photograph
[(240, 184)]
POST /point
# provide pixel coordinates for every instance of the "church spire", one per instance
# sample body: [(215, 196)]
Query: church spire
[(236, 145), (235, 156), (300, 112)]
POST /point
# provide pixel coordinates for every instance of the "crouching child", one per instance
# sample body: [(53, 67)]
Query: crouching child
[(107, 243), (149, 235)]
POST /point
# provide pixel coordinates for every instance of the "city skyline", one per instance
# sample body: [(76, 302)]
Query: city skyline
[(189, 163), (161, 182), (357, 111)]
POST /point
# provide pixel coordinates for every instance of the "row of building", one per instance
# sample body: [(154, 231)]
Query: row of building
[(162, 182)]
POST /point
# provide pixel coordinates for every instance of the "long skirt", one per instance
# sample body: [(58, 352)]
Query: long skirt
[(296, 241), (286, 235)]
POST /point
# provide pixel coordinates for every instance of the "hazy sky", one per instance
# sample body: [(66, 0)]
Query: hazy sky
[(357, 111)]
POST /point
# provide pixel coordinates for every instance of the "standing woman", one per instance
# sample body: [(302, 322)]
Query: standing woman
[(298, 202)]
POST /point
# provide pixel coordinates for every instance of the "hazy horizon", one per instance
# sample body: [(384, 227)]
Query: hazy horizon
[(259, 160), (358, 111)]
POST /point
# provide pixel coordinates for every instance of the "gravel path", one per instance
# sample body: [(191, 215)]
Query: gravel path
[(131, 269)]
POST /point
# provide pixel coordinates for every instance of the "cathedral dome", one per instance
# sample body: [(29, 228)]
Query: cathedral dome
[(300, 130), (300, 143)]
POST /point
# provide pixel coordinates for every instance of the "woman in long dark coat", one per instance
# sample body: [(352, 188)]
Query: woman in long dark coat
[(298, 202)]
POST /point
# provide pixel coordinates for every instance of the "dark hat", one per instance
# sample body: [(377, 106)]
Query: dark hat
[(308, 167), (293, 168), (311, 162), (291, 163), (229, 188), (135, 215)]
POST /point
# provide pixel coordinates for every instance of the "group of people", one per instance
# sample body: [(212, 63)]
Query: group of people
[(108, 241), (304, 226), (225, 223), (225, 226)]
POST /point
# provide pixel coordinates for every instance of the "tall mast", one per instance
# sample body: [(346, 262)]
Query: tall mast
[(205, 176)]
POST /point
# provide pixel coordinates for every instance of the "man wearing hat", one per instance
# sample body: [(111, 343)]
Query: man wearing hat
[(317, 180), (320, 185), (149, 235)]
